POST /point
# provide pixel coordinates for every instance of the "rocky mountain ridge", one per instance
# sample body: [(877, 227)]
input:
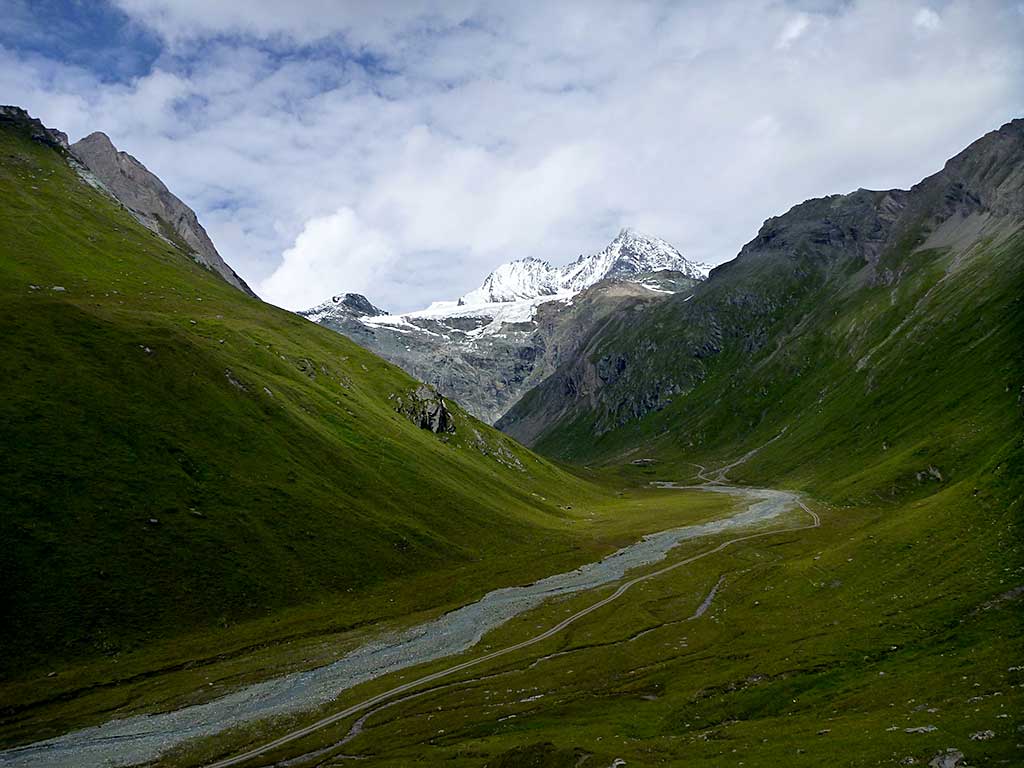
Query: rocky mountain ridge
[(131, 184), (343, 306), (491, 345), (20, 119), (837, 299)]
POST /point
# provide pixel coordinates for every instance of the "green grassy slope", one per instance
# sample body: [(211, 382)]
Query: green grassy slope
[(902, 611), (177, 456), (871, 346)]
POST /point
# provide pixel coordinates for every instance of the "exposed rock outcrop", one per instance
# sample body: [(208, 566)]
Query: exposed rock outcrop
[(426, 408), (151, 202), (18, 117)]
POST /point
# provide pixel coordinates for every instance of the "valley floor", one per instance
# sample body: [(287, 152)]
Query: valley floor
[(203, 668), (797, 645)]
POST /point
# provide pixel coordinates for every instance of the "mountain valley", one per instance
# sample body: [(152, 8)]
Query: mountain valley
[(769, 514)]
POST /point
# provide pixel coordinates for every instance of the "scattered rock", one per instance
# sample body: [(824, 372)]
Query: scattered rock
[(921, 729), (499, 452), (983, 735), (951, 758), (153, 521), (58, 288), (267, 390), (234, 382)]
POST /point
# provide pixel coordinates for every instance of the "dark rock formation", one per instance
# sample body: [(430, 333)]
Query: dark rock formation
[(21, 119), (426, 408)]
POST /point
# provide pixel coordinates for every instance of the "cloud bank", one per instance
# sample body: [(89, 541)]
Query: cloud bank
[(402, 150)]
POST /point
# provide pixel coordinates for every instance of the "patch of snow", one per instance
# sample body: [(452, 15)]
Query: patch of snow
[(493, 315), (655, 288)]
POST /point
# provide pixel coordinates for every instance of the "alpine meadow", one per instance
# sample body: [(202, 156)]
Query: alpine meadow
[(281, 486)]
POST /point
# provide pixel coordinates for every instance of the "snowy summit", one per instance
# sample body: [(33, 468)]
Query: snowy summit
[(629, 255), (513, 291)]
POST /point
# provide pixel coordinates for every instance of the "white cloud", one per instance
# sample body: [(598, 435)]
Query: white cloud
[(792, 31), (434, 140), (337, 249), (927, 19)]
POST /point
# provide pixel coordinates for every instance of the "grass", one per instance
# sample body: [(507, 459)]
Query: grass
[(821, 648)]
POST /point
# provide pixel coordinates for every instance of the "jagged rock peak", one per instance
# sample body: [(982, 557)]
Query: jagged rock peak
[(630, 254), (155, 206), (98, 138)]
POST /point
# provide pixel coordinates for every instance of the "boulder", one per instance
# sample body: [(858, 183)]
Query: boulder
[(951, 758)]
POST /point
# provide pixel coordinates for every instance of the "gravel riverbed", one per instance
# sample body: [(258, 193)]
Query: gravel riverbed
[(144, 738)]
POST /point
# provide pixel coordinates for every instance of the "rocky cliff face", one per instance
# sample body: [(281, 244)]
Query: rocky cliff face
[(425, 408), (492, 345), (22, 120), (153, 204), (847, 284)]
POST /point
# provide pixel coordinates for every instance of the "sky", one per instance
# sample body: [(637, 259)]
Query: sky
[(402, 150)]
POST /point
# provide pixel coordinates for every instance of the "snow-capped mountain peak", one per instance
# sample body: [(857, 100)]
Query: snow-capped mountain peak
[(522, 279), (515, 326), (630, 254)]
